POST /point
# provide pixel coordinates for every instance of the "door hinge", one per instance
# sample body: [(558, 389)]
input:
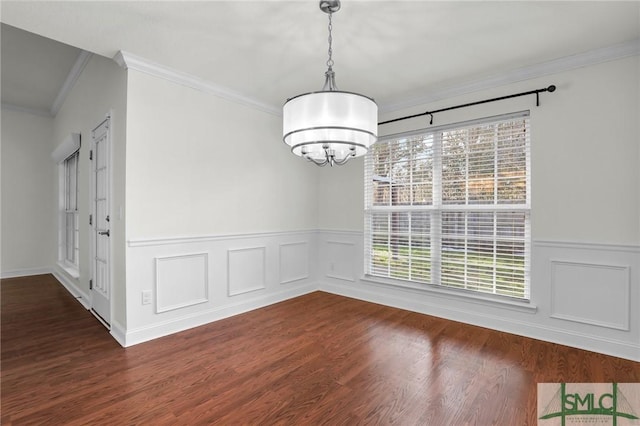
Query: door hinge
[(90, 219), (90, 284), (91, 155)]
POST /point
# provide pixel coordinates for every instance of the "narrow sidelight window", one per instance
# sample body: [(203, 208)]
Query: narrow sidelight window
[(70, 231)]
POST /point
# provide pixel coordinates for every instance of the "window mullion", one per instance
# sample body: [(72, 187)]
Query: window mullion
[(411, 166), (466, 168), (76, 174), (389, 256), (67, 174), (495, 165), (465, 273), (495, 252), (412, 202), (467, 150), (527, 257), (436, 214), (496, 172), (409, 250)]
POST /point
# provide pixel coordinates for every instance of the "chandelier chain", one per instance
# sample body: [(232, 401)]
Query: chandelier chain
[(330, 51), (329, 126)]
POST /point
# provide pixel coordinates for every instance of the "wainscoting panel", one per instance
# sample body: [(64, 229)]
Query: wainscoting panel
[(582, 295), (590, 293), (294, 262), (246, 268), (200, 279), (340, 255), (181, 281)]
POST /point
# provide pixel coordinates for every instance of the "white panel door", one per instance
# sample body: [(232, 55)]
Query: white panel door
[(101, 284)]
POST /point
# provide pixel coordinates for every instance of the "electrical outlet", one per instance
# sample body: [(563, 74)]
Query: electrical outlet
[(146, 297)]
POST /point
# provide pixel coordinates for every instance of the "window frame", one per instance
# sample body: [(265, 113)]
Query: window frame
[(436, 209), (69, 247)]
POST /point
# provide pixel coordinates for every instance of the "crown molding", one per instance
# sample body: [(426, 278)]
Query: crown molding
[(77, 68), (81, 61), (591, 57), (609, 53), (129, 61), (33, 111)]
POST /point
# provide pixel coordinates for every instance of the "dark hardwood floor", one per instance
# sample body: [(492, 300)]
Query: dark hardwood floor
[(316, 359)]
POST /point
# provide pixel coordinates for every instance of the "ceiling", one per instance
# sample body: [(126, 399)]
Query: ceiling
[(271, 50), (34, 69)]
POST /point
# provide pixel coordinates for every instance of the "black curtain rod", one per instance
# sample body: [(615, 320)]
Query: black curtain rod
[(549, 89)]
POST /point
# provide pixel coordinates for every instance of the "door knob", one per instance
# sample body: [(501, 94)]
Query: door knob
[(104, 233)]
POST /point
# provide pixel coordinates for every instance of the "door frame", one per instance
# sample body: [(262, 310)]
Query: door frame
[(92, 211)]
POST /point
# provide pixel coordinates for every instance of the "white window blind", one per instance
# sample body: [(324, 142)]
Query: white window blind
[(450, 206)]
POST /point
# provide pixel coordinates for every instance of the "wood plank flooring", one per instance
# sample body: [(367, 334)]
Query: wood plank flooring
[(316, 359)]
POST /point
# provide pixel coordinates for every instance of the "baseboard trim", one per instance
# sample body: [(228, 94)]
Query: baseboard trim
[(16, 273), (597, 344), (78, 294), (144, 334), (119, 333)]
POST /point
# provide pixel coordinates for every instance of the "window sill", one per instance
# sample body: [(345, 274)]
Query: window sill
[(462, 295), (73, 272)]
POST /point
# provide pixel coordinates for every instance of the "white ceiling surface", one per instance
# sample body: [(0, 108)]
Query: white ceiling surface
[(272, 50), (34, 69)]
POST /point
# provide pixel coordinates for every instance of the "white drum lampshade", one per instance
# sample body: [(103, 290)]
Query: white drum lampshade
[(344, 122)]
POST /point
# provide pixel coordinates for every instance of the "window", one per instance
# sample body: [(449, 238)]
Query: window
[(450, 206), (69, 221)]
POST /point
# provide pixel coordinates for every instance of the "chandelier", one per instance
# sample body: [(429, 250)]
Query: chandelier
[(330, 126)]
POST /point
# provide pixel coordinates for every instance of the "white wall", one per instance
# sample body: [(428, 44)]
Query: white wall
[(28, 195), (214, 197), (586, 181), (202, 165), (100, 90), (341, 196), (585, 154), (585, 210)]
